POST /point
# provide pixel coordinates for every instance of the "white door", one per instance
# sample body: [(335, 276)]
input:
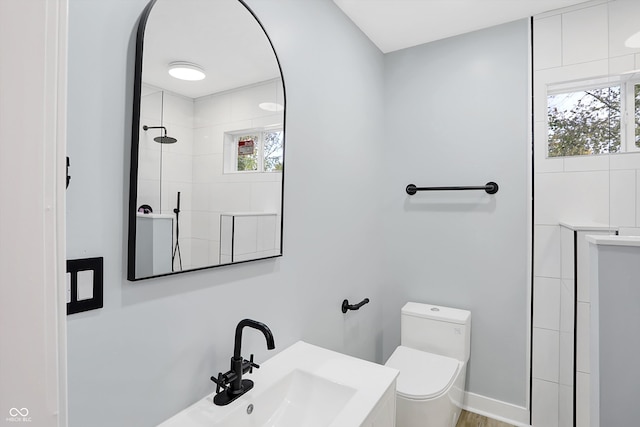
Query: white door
[(33, 38)]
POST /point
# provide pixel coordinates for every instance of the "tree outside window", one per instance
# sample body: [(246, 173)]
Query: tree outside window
[(592, 121), (584, 122), (255, 151)]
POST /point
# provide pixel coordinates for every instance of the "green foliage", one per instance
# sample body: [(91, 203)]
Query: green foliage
[(636, 94), (591, 124), (273, 151)]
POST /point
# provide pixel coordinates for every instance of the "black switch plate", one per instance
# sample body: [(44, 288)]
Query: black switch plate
[(85, 264)]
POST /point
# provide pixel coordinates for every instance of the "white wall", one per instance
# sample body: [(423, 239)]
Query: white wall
[(582, 42), (457, 114), (152, 348)]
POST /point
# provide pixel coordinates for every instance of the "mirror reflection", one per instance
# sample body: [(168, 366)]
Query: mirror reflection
[(208, 144)]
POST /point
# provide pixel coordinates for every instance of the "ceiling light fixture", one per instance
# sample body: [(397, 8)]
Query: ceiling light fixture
[(186, 71), (271, 106), (633, 42)]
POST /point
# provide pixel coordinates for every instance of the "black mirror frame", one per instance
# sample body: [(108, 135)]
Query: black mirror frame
[(135, 141)]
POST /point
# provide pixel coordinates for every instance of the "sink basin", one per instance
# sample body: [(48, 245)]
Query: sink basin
[(300, 399), (304, 386)]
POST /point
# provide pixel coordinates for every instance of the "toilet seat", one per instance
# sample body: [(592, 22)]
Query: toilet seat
[(423, 375)]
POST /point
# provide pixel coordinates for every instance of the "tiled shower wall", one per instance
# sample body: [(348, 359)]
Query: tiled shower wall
[(194, 165), (582, 42), (216, 192)]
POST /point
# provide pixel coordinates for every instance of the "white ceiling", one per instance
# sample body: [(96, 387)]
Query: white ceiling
[(220, 36), (398, 24), (223, 38)]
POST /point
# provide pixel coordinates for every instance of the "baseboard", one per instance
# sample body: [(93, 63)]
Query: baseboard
[(496, 409)]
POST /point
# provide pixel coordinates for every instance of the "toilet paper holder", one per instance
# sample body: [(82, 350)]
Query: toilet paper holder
[(346, 306)]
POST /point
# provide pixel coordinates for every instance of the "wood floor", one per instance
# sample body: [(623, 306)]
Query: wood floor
[(469, 419)]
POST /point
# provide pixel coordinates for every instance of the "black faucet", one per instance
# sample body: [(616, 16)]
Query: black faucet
[(231, 382)]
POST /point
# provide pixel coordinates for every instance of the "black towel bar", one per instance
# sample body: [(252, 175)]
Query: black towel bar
[(489, 187)]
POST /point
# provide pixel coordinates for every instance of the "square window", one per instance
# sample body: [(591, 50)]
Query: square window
[(584, 122), (256, 150)]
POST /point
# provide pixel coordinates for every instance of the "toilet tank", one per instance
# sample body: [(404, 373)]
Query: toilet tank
[(436, 329)]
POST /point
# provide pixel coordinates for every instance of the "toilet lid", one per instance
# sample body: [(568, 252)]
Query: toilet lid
[(422, 375)]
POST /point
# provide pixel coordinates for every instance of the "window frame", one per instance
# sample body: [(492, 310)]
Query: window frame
[(627, 110), (230, 154)]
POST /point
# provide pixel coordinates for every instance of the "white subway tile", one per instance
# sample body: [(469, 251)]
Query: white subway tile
[(547, 251), (583, 400), (585, 35), (583, 331), (586, 163), (266, 196), (544, 405), (549, 197), (546, 303), (151, 107), (567, 246), (622, 64), (199, 253), (178, 110), (565, 410), (567, 306), (546, 354), (230, 197), (204, 141), (206, 167), (176, 167), (625, 161), (622, 24), (266, 233), (201, 225), (244, 104), (566, 369), (214, 252), (547, 42), (186, 224), (245, 235), (623, 198)]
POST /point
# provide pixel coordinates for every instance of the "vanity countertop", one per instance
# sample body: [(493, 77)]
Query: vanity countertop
[(370, 381), (614, 240)]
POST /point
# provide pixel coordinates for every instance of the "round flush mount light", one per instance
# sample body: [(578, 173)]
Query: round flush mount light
[(271, 106), (633, 42), (186, 71)]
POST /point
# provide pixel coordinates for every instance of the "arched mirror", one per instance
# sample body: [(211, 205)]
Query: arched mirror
[(207, 157)]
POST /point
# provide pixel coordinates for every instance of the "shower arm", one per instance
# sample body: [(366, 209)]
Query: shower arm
[(145, 127)]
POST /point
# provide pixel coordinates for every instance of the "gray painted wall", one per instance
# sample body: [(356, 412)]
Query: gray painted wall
[(457, 114), (152, 348)]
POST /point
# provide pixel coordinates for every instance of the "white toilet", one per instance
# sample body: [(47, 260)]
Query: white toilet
[(432, 359)]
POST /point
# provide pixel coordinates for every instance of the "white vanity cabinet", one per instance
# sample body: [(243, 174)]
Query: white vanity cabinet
[(384, 414), (154, 244), (615, 320)]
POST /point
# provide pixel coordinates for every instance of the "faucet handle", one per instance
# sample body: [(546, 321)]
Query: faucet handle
[(221, 382), (252, 365)]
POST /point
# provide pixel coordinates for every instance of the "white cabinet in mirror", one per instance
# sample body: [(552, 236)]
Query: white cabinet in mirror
[(202, 149)]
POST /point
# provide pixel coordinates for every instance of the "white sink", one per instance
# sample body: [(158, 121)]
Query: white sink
[(303, 386), (300, 399)]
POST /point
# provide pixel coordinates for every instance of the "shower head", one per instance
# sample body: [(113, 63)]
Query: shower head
[(162, 139)]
